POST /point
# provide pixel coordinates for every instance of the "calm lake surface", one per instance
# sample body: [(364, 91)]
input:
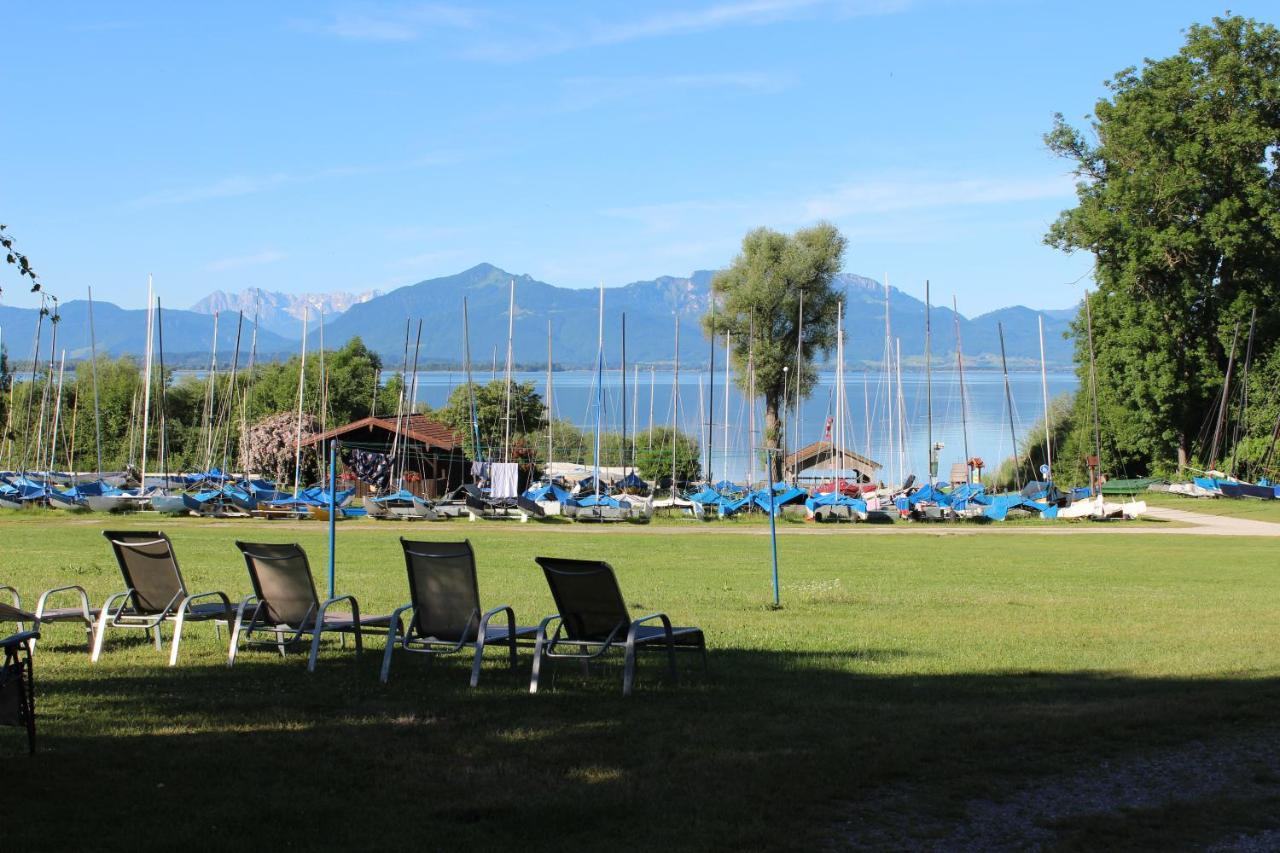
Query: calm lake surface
[(868, 414)]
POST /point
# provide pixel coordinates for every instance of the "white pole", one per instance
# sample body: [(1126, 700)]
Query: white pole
[(1044, 390), (511, 319), (57, 415), (302, 374), (728, 336), (146, 398), (902, 419)]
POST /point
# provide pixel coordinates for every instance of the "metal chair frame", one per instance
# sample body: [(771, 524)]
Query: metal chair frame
[(313, 626), (411, 640), (588, 650), (180, 609), (17, 664)]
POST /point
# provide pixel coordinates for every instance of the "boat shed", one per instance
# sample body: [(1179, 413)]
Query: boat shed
[(848, 464), (433, 455)]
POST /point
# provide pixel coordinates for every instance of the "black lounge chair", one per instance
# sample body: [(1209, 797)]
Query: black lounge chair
[(155, 592), (445, 607), (17, 689), (592, 618), (285, 601)]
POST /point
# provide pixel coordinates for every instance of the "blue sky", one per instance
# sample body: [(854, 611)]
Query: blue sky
[(346, 146)]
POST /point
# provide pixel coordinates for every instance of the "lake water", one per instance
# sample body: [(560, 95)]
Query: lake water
[(867, 403)]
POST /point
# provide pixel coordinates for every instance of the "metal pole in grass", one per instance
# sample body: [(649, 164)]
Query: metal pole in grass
[(333, 509), (773, 526)]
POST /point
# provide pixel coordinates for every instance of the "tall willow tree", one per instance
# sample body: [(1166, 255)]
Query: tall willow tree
[(1179, 203), (758, 299)]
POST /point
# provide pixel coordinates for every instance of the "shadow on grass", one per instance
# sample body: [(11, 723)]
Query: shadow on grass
[(757, 754)]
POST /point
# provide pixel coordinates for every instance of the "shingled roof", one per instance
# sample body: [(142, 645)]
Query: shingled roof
[(819, 452), (418, 428)]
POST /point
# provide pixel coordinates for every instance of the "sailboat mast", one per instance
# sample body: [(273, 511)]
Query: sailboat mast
[(728, 336), (751, 405), (1008, 398), (302, 377), (599, 393), (866, 415), (506, 420), (624, 394), (547, 402), (891, 400), (675, 410), (1244, 393), (164, 425), (93, 372), (57, 414), (1048, 416), (798, 432), (411, 401), (653, 381), (1221, 420), (635, 411), (901, 404), (1093, 393), (211, 395), (928, 382), (471, 388), (964, 402), (711, 406), (146, 394), (835, 480)]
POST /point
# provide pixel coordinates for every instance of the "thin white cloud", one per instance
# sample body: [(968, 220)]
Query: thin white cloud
[(921, 192), (581, 93), (266, 256), (510, 39), (242, 185), (407, 22), (236, 185)]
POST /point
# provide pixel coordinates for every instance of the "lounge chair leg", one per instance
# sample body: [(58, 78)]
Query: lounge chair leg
[(359, 639), (477, 661), (280, 641), (629, 670), (315, 650), (234, 645), (586, 664), (671, 662), (386, 653), (537, 662), (98, 635), (159, 638), (177, 638)]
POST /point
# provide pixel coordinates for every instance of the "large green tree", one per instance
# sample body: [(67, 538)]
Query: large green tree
[(758, 300), (1179, 203), (527, 418)]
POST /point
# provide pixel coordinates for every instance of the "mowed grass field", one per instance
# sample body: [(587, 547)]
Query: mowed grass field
[(958, 665)]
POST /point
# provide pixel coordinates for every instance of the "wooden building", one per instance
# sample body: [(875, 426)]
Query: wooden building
[(813, 461), (433, 456)]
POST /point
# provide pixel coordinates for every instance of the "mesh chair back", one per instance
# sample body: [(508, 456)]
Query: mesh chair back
[(442, 583), (587, 597), (149, 567), (282, 581)]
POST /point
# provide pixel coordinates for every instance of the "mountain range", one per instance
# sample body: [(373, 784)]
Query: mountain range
[(282, 313), (651, 308)]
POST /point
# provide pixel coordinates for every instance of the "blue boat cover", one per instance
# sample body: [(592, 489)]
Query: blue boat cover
[(548, 492)]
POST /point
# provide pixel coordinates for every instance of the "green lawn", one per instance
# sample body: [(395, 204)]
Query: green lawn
[(960, 665), (1254, 508)]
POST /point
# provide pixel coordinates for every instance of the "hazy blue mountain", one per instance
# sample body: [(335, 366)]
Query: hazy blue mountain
[(650, 308), (282, 312), (119, 331)]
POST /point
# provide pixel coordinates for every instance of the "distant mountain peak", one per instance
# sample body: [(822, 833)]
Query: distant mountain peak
[(280, 312)]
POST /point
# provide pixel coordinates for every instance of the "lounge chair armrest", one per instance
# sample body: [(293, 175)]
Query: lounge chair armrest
[(18, 638), (636, 623), (395, 624), (244, 605), (328, 602), (126, 595), (84, 599), (542, 628), (501, 608), (226, 602)]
